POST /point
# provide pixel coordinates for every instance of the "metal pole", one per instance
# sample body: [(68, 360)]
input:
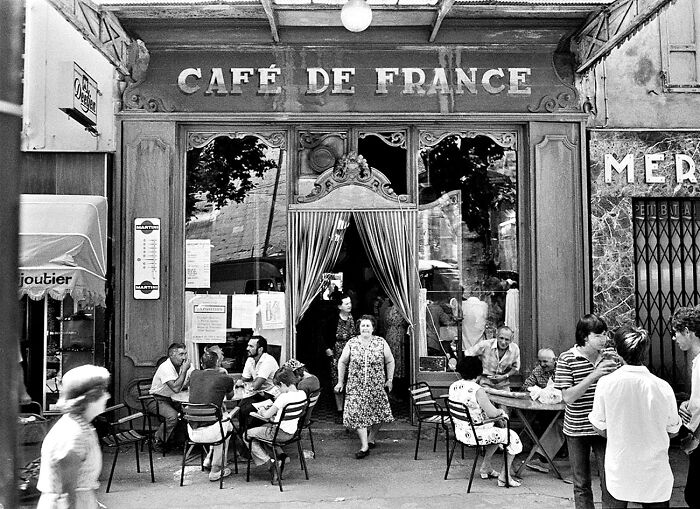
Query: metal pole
[(11, 47)]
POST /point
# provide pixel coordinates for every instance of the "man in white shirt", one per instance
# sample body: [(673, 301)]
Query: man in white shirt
[(686, 328), (637, 413), (259, 369), (169, 383)]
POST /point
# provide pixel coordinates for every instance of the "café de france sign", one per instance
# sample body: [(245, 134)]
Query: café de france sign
[(220, 81)]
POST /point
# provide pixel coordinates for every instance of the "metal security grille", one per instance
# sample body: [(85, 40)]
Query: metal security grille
[(667, 265)]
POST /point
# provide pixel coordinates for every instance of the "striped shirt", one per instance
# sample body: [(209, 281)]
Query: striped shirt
[(572, 368)]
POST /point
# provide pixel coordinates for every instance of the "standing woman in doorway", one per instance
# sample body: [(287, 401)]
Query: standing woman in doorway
[(341, 330), (369, 365)]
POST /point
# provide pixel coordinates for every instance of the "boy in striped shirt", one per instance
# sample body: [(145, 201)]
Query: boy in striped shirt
[(578, 371)]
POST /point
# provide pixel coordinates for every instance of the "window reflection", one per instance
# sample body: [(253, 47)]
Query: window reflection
[(468, 260)]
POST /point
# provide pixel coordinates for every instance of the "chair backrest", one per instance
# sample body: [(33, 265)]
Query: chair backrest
[(459, 413), (143, 386), (421, 393), (201, 413), (291, 412), (313, 399)]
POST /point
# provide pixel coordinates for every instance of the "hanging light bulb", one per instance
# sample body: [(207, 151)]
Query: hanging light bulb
[(356, 15)]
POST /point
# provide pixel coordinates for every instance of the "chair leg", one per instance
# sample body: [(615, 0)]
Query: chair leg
[(449, 458), (311, 439), (150, 459), (235, 452), (184, 457), (435, 439), (505, 465), (111, 472), (303, 461), (471, 477), (415, 456), (138, 462), (447, 446), (250, 457), (277, 470), (165, 434), (462, 451), (223, 465)]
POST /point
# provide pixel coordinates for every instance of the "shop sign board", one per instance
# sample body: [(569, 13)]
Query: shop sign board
[(328, 79), (208, 318), (147, 258), (82, 104)]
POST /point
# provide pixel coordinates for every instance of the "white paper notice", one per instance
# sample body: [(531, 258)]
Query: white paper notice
[(272, 310), (244, 309), (198, 263), (208, 318)]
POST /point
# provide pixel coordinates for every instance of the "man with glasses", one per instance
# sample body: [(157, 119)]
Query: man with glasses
[(686, 328), (500, 358)]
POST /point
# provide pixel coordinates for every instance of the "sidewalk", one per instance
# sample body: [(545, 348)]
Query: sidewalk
[(388, 478)]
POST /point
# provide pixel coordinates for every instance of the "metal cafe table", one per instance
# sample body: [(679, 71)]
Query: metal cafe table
[(525, 408)]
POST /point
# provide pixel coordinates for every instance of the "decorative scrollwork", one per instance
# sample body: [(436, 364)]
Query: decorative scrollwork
[(309, 140), (352, 169), (506, 139), (394, 139), (133, 99), (550, 104), (273, 139)]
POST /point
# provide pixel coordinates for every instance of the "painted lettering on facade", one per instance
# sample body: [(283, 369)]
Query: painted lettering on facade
[(219, 81), (625, 168)]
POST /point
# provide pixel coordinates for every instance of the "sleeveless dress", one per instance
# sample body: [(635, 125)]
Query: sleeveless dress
[(366, 401), (71, 435), (464, 391)]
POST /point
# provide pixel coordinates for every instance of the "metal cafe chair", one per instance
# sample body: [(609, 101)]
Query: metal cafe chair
[(459, 415), (308, 421), (428, 411), (207, 413), (119, 437), (289, 413), (143, 387)]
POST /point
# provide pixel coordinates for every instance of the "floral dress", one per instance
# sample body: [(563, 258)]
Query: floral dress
[(396, 327), (366, 401), (464, 391), (344, 331)]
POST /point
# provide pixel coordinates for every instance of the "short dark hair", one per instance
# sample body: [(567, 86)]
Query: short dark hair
[(687, 317), (470, 367), (176, 346), (371, 320), (261, 342), (587, 324), (339, 297), (209, 359), (285, 376), (632, 344)]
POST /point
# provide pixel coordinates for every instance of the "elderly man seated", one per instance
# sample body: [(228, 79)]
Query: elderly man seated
[(210, 385), (169, 389), (306, 381), (500, 358), (544, 371)]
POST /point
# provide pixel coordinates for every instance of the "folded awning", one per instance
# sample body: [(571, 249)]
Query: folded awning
[(62, 247)]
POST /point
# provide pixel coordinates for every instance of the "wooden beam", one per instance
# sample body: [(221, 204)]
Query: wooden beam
[(100, 28), (272, 18), (630, 20), (443, 8)]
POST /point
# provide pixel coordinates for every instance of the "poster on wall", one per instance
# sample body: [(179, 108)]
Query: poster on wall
[(207, 318), (244, 309), (147, 258), (272, 312), (198, 263)]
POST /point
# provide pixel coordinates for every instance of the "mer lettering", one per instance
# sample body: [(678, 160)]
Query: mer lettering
[(684, 166), (339, 80)]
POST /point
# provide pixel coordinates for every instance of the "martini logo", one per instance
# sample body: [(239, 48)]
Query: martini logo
[(147, 227), (146, 287)]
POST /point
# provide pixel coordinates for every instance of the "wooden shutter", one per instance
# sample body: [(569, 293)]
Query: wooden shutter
[(680, 36)]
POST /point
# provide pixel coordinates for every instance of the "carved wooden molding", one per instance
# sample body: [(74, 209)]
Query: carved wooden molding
[(505, 139), (273, 139), (352, 169), (393, 139), (309, 139)]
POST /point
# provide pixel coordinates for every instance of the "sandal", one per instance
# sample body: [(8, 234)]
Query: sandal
[(361, 454), (489, 475), (512, 483), (274, 476)]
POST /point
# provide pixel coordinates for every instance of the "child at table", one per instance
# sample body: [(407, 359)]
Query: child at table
[(480, 408)]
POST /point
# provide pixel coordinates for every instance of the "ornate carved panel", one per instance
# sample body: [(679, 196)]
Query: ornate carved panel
[(506, 139), (273, 139), (318, 151), (394, 139)]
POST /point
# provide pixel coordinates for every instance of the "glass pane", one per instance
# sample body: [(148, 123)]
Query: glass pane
[(386, 152), (236, 233), (468, 257)]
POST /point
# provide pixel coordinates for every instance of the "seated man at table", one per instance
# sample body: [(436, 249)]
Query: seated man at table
[(544, 371), (500, 358), (259, 370), (306, 381), (168, 388), (210, 385)]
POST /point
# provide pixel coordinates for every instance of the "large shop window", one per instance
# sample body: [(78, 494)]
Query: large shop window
[(236, 236), (667, 265), (467, 242)]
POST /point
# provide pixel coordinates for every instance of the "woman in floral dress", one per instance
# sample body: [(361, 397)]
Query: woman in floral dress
[(480, 408), (369, 365)]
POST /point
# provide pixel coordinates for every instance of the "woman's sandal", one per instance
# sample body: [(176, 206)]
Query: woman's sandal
[(489, 475), (512, 483), (361, 454), (274, 476)]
